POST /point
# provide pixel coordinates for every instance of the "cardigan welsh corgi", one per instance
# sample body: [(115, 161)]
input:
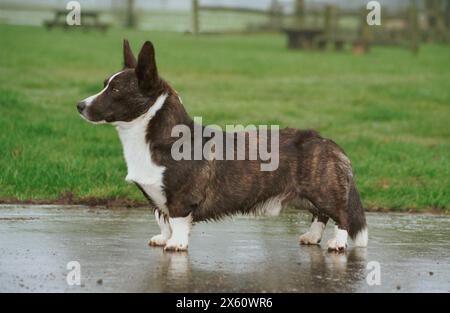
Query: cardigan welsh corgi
[(310, 172)]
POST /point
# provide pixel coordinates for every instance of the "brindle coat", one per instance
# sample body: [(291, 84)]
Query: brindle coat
[(313, 172)]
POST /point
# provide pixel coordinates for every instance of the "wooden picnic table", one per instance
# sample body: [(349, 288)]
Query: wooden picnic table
[(302, 38), (89, 20)]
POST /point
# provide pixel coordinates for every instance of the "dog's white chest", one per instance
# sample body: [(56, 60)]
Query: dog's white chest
[(143, 171), (156, 193), (141, 168)]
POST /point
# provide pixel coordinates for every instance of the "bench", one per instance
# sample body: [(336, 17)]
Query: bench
[(89, 20), (303, 38), (322, 42)]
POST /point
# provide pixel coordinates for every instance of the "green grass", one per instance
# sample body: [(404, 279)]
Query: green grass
[(390, 110)]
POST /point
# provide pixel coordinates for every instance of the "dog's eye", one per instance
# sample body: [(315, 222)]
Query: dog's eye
[(115, 90)]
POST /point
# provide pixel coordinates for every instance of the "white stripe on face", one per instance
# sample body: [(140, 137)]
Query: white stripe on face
[(91, 99)]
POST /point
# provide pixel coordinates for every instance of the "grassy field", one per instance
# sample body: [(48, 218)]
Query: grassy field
[(390, 110)]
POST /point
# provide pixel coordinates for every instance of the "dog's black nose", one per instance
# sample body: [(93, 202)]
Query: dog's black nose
[(80, 106)]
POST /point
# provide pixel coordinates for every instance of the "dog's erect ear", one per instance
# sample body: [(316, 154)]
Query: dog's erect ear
[(146, 71), (129, 61)]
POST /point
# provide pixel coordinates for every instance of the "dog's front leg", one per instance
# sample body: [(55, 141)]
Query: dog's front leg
[(164, 226), (181, 227)]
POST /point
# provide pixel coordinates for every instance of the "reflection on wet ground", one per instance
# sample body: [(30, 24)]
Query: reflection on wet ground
[(243, 254)]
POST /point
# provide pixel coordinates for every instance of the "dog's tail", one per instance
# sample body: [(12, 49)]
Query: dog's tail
[(357, 219)]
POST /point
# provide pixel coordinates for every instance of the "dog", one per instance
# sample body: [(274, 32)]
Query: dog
[(313, 172)]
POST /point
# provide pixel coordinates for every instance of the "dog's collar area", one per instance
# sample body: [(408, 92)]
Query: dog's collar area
[(144, 117), (150, 102)]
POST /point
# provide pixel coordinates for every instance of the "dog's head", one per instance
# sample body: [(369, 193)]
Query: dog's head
[(127, 94)]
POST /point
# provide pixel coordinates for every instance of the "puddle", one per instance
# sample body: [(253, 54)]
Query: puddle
[(236, 255)]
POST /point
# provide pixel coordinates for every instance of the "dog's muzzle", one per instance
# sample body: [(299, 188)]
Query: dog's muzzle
[(81, 106)]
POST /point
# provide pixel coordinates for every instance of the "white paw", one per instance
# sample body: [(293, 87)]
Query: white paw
[(339, 241), (174, 244), (314, 234), (158, 240), (335, 244), (310, 238)]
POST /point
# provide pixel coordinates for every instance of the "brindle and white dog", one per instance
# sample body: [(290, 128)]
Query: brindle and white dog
[(313, 172)]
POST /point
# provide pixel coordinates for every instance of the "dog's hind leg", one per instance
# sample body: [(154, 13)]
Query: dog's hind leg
[(339, 240), (314, 235), (325, 178), (350, 220), (164, 226)]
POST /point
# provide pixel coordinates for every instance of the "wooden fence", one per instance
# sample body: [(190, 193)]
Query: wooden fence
[(400, 28)]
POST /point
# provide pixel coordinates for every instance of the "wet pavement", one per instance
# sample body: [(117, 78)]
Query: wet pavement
[(243, 254)]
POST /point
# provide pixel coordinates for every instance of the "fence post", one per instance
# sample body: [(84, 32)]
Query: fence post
[(328, 20), (131, 18), (441, 26), (413, 24), (366, 35), (195, 17), (327, 25), (362, 43), (275, 14), (436, 19), (447, 15), (299, 13)]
